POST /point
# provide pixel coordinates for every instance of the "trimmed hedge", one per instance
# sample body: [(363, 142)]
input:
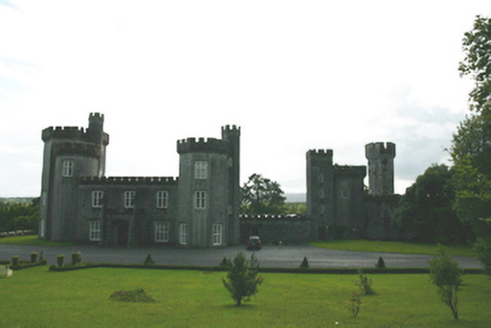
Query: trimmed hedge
[(262, 269)]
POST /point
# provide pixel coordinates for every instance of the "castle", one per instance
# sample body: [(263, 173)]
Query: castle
[(201, 207)]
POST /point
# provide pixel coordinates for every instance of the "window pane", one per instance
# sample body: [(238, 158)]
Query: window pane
[(201, 170)]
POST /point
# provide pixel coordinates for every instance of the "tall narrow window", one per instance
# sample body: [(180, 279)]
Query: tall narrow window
[(217, 234), (183, 234), (95, 231), (67, 168), (162, 197), (161, 231), (97, 198), (129, 199), (201, 170), (200, 200)]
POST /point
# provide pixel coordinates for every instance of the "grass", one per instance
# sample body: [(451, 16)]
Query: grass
[(392, 247), (32, 240), (36, 297)]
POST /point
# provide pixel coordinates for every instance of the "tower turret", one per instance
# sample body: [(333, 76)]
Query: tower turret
[(69, 153), (381, 167)]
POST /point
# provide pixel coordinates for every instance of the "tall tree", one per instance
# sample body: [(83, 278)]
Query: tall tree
[(471, 146), (425, 212), (262, 196), (477, 62)]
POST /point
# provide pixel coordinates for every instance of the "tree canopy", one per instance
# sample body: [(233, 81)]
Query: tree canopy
[(425, 212), (262, 196)]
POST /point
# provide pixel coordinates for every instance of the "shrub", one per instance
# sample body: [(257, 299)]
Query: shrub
[(148, 260), (483, 250), (446, 275), (380, 263), (76, 258), (353, 304), (138, 295), (60, 259), (34, 257), (242, 278), (15, 260), (364, 283), (305, 263), (225, 263)]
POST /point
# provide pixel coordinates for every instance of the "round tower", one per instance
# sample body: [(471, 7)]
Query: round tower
[(69, 153), (203, 192), (381, 167)]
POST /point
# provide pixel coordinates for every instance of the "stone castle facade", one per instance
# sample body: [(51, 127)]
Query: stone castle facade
[(200, 208)]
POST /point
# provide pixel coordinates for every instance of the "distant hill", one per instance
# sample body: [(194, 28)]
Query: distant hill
[(296, 198), (16, 200)]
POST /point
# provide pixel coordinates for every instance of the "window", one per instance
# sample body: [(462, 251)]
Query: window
[(162, 197), (67, 168), (95, 230), (217, 234), (161, 231), (200, 200), (129, 199), (97, 198), (183, 234), (200, 170)]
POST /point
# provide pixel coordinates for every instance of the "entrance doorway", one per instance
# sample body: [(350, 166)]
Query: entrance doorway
[(121, 231)]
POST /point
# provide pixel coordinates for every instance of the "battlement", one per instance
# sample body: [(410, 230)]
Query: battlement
[(264, 217), (377, 149), (129, 180), (353, 171), (211, 145), (67, 132), (96, 116), (324, 154)]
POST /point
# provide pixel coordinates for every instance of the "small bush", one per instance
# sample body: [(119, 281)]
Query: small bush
[(364, 283), (380, 263), (15, 260), (138, 295), (34, 257), (353, 304), (60, 259), (76, 258), (148, 260), (445, 273), (305, 263), (225, 263)]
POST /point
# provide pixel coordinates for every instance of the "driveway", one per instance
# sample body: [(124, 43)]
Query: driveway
[(269, 256)]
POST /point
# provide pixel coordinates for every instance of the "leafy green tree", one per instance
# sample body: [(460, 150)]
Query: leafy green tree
[(242, 278), (262, 196), (446, 275), (425, 213), (19, 216), (477, 62), (471, 146)]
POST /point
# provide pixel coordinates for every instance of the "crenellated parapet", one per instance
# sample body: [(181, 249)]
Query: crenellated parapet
[(350, 171), (205, 145), (93, 134), (377, 149), (129, 180), (320, 152)]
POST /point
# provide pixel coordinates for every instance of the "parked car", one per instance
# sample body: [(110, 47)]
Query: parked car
[(254, 243)]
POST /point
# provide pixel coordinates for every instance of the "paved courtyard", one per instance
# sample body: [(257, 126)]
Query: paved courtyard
[(269, 256)]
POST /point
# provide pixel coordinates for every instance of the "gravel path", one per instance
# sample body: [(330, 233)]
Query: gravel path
[(269, 256)]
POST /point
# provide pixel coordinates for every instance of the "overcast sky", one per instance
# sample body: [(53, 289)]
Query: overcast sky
[(294, 75)]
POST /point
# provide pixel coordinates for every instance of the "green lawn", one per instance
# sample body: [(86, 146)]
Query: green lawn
[(36, 298), (392, 247), (31, 240)]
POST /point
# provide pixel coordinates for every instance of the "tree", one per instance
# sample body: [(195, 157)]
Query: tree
[(477, 62), (262, 196), (425, 213), (471, 146), (242, 278), (446, 275)]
